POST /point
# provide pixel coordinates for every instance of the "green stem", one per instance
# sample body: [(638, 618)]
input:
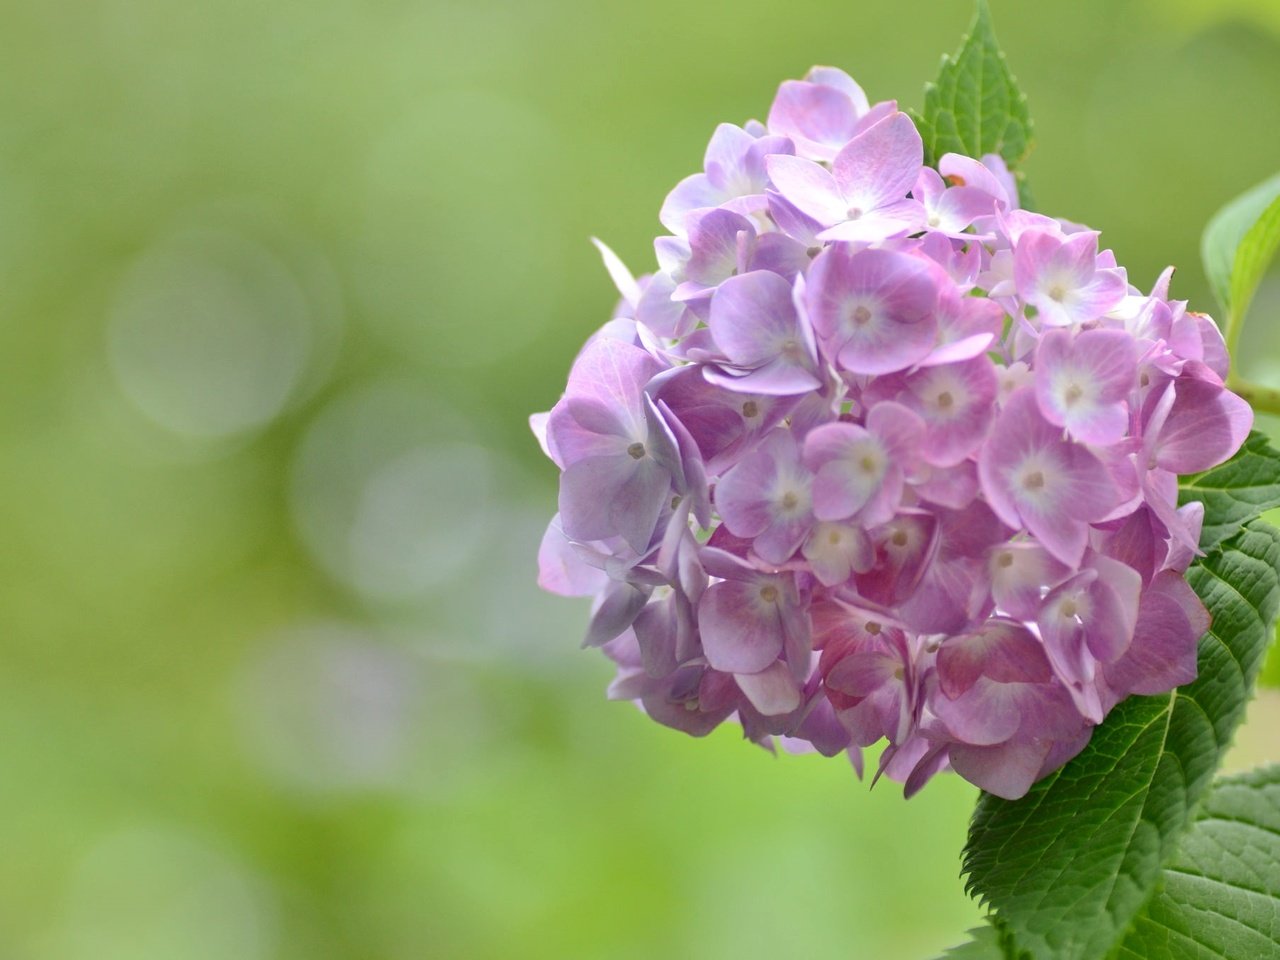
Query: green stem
[(1262, 399)]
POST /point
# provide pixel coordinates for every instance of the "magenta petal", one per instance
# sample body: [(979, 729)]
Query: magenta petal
[(904, 549), (740, 625)]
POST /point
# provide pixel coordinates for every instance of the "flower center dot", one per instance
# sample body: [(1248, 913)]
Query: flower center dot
[(934, 221), (1005, 560), (855, 213), (861, 316), (1034, 480), (873, 628), (1057, 294), (899, 538), (750, 409), (789, 500), (769, 593), (945, 400), (1073, 393), (1069, 609), (636, 450)]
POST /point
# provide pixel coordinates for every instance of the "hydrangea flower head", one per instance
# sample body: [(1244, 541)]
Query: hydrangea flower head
[(875, 454)]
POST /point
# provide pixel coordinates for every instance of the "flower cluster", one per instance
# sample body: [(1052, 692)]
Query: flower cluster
[(876, 453)]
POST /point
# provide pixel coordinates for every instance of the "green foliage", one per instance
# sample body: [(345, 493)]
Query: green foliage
[(1238, 246), (984, 945), (1068, 867), (1220, 897), (1126, 851), (975, 106), (1236, 492)]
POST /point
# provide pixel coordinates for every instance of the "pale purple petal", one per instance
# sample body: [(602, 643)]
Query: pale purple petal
[(740, 626), (692, 194), (1205, 426), (893, 220), (836, 550), (602, 497), (808, 187), (1033, 478), (772, 691), (874, 309), (562, 570), (879, 166), (820, 118), (1082, 382), (616, 609)]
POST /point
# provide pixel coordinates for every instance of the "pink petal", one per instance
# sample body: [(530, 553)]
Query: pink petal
[(880, 165), (1007, 770)]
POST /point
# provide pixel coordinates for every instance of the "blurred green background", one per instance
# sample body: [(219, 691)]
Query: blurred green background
[(279, 285)]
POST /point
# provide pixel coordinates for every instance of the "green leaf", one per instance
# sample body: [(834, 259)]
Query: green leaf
[(1069, 866), (1236, 492), (1238, 245), (1221, 894), (975, 106), (984, 945)]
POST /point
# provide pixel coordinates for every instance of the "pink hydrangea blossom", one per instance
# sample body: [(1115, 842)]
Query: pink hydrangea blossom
[(875, 455)]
